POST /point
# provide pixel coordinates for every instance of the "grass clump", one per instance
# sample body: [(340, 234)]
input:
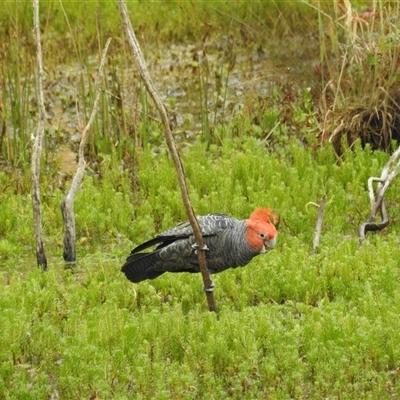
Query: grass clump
[(359, 75)]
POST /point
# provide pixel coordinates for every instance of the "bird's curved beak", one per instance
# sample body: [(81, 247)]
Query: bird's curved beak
[(268, 245)]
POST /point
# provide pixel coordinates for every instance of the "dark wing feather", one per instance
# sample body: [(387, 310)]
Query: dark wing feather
[(210, 225), (164, 240), (139, 267)]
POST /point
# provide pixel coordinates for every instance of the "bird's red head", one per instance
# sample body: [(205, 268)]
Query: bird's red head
[(261, 233)]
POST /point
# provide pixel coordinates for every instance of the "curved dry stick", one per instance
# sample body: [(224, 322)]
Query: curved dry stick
[(372, 226), (377, 199), (67, 204), (145, 76)]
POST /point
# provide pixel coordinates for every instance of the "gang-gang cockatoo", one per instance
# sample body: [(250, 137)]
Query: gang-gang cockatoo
[(230, 243)]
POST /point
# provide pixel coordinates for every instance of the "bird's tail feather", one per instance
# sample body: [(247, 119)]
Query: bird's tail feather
[(138, 267)]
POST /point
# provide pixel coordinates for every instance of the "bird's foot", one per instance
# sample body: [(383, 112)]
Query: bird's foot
[(210, 288), (196, 248)]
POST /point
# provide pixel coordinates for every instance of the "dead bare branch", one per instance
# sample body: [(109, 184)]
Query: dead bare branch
[(37, 145), (67, 204), (145, 76), (389, 172)]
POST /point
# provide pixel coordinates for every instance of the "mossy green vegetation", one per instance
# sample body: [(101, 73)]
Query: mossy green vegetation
[(292, 324)]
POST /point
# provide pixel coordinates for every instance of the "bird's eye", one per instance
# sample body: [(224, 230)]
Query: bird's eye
[(262, 235)]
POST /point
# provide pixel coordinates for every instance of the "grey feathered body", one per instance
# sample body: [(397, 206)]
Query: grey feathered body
[(223, 235)]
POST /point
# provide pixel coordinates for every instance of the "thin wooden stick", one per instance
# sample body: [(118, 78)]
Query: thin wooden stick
[(145, 76), (37, 145), (318, 225), (67, 204)]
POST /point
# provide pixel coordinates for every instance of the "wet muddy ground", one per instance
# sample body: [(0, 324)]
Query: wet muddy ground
[(215, 80)]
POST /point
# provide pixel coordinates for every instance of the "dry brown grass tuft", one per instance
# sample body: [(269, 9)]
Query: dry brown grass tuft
[(360, 96), (377, 125)]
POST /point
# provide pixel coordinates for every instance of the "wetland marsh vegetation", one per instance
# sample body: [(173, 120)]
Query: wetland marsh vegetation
[(246, 106)]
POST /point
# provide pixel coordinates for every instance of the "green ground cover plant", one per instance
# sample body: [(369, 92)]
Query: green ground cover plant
[(294, 324)]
